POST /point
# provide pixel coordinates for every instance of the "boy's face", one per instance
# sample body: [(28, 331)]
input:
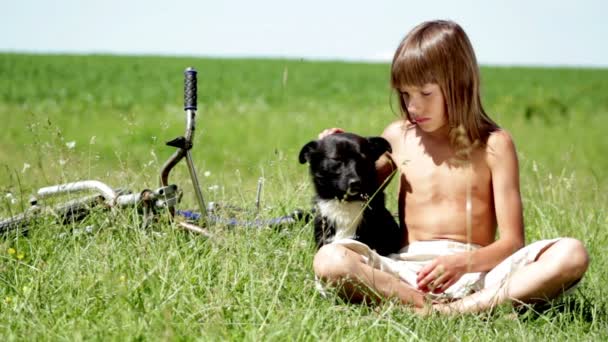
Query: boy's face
[(426, 106)]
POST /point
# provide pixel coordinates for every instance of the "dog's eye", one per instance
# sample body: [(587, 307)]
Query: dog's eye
[(333, 165)]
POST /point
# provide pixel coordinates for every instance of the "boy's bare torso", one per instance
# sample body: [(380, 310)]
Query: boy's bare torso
[(433, 188)]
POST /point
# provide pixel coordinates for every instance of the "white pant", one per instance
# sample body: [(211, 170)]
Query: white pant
[(410, 259)]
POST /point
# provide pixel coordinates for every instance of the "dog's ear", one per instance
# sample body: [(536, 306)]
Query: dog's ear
[(378, 145), (307, 150)]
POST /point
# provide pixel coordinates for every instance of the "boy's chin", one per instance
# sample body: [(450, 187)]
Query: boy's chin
[(434, 129)]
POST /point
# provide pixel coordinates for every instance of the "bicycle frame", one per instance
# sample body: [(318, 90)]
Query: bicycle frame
[(162, 197)]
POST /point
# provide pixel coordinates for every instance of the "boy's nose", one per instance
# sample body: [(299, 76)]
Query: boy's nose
[(411, 107)]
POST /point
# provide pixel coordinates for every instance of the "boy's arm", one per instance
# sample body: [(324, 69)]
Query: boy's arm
[(385, 165), (504, 167), (385, 169)]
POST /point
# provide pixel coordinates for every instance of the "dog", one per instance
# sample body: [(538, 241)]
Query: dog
[(349, 203)]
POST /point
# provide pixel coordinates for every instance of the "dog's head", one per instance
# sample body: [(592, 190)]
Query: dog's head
[(342, 165)]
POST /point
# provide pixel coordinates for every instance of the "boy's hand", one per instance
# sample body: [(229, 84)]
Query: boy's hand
[(330, 131), (442, 273)]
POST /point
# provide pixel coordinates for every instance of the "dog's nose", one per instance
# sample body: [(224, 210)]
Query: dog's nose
[(354, 185)]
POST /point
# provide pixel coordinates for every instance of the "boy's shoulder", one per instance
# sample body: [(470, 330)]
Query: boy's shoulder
[(500, 145), (499, 140), (397, 129)]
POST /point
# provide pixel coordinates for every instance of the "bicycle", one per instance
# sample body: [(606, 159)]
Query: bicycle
[(149, 202)]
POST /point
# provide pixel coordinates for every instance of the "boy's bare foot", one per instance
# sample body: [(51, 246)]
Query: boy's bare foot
[(424, 311)]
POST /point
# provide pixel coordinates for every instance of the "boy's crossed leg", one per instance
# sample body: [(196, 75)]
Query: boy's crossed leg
[(557, 268)]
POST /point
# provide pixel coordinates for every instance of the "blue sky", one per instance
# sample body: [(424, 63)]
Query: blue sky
[(517, 32)]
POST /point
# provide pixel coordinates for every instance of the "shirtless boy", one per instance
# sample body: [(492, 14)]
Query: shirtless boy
[(458, 196)]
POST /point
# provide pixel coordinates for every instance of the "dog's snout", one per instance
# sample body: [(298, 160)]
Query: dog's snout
[(354, 185)]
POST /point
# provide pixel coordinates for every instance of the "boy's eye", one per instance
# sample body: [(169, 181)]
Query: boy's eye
[(426, 93)]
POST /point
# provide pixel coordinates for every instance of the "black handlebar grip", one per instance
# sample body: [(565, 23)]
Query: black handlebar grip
[(190, 89)]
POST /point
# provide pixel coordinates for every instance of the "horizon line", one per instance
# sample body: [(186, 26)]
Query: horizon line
[(342, 59)]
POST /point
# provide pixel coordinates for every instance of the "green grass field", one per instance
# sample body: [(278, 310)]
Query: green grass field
[(66, 118)]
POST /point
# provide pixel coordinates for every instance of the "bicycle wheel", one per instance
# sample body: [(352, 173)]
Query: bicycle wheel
[(68, 212), (18, 221)]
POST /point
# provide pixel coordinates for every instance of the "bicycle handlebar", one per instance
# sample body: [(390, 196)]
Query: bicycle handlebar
[(190, 89)]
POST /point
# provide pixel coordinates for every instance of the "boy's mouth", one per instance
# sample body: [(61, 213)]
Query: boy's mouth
[(421, 120)]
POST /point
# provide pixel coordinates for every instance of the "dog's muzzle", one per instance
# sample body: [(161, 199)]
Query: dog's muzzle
[(354, 187)]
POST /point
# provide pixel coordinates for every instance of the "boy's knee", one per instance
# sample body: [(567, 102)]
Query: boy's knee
[(574, 259), (332, 263)]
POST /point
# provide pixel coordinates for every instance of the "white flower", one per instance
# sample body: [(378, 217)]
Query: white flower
[(534, 167), (10, 198), (92, 141), (62, 161), (214, 187), (71, 144), (207, 173), (25, 167)]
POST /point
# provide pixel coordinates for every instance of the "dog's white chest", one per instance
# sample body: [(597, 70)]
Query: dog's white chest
[(346, 216)]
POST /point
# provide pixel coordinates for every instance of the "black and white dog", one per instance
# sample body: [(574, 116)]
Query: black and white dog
[(348, 202)]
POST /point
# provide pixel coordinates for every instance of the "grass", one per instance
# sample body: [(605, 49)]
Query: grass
[(116, 281)]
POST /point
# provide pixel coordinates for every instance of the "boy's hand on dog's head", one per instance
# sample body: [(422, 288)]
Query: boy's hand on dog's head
[(329, 131)]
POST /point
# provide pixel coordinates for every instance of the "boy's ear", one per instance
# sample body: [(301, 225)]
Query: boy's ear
[(306, 150), (379, 145)]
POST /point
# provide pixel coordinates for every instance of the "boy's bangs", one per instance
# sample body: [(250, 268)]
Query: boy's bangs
[(411, 68)]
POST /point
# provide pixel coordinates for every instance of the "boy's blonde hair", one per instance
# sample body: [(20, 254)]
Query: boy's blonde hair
[(440, 52)]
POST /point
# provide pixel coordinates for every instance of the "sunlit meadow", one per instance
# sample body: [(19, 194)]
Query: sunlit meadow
[(67, 118)]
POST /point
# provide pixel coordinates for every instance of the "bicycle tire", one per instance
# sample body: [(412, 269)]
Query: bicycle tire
[(22, 220), (68, 212)]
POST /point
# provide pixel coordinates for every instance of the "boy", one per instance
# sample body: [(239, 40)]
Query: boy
[(458, 185)]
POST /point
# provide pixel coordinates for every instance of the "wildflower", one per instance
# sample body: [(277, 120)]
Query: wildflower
[(20, 256), (71, 144), (62, 161), (154, 158), (207, 173), (8, 300), (11, 251), (25, 167), (214, 187), (122, 278), (534, 167), (92, 141), (10, 198)]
